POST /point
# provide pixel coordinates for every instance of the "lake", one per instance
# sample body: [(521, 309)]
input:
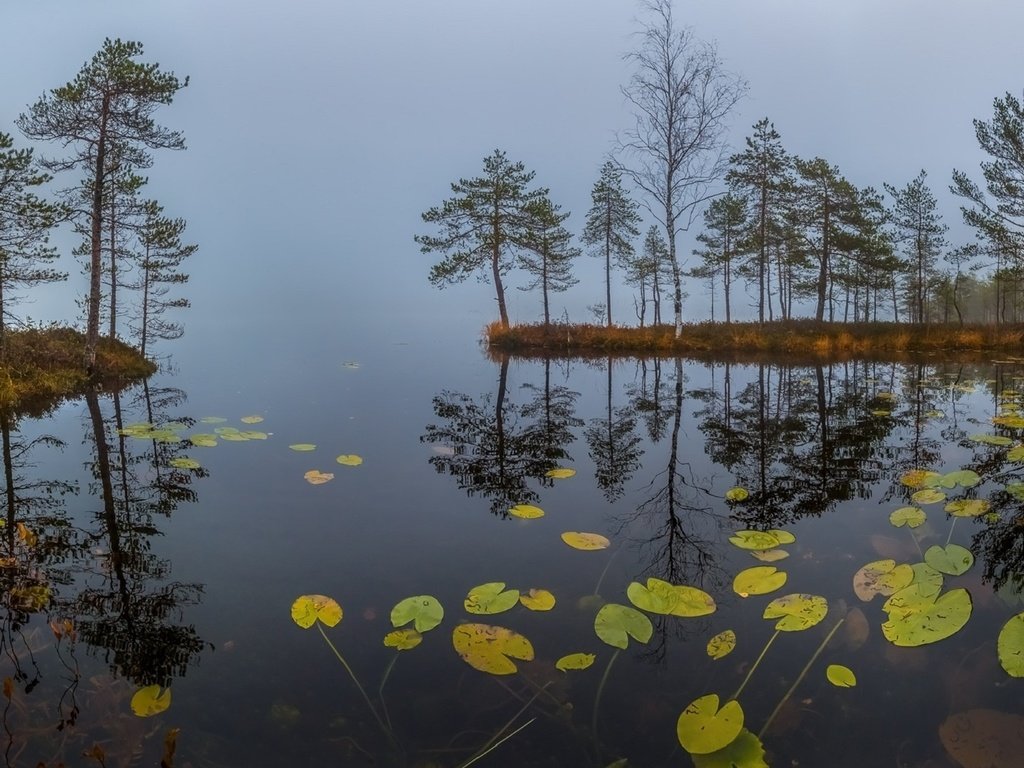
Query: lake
[(162, 534)]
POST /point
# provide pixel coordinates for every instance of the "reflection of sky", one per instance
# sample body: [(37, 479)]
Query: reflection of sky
[(319, 131)]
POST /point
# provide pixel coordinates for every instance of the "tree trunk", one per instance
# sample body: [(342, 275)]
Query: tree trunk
[(499, 289), (608, 260), (92, 330)]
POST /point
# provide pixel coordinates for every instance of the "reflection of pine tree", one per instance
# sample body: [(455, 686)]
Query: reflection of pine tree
[(614, 445), (650, 398), (494, 452)]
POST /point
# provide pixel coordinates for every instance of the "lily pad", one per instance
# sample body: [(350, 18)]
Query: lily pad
[(184, 462), (759, 580), (560, 473), (204, 440), (917, 478), (316, 477), (704, 728), (912, 517), (952, 559), (796, 612), (615, 624), (996, 440), (968, 507), (537, 600), (1010, 646), (526, 511), (585, 541), (737, 494), (251, 419), (234, 437), (250, 434), (918, 619), (491, 649), (151, 701), (575, 661), (491, 598), (303, 447), (755, 540), (965, 478), (928, 496), (308, 609), (745, 751), (212, 420), (349, 460), (840, 676), (425, 611), (1015, 454), (722, 644), (770, 555), (403, 639), (881, 577), (670, 599)]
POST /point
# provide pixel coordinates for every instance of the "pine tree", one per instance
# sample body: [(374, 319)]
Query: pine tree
[(611, 226), (918, 225), (548, 252), (725, 222)]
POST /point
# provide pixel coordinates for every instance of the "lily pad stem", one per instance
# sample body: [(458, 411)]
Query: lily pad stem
[(355, 680), (380, 691), (495, 741), (600, 580), (952, 525), (496, 745), (600, 690), (751, 671), (803, 673)]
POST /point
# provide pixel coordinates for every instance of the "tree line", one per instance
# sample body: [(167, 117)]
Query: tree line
[(103, 124), (793, 230)]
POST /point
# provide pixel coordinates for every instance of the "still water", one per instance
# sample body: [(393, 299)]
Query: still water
[(159, 536)]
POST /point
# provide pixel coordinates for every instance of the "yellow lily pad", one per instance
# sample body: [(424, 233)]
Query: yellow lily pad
[(703, 728), (350, 460), (303, 447), (1010, 646), (585, 541), (916, 478), (537, 600), (403, 639), (204, 440), (670, 599), (308, 609), (491, 649), (881, 577), (184, 462), (769, 555), (316, 477), (722, 644), (759, 580), (151, 701), (840, 676), (796, 612), (759, 540), (575, 661), (526, 511), (251, 419), (927, 496), (968, 507), (560, 473), (912, 517), (737, 494)]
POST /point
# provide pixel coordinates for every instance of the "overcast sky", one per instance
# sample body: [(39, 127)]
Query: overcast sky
[(319, 130)]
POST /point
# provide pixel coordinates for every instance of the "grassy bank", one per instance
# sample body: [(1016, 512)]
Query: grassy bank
[(804, 338), (45, 365)]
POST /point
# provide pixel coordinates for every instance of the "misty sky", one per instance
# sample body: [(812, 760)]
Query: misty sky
[(318, 131)]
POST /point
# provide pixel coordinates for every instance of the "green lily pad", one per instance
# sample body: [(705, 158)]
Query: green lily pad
[(917, 478), (1015, 454), (302, 447), (575, 661), (670, 599), (745, 751), (881, 577), (226, 431), (491, 649), (968, 507), (997, 440), (1010, 646), (1016, 490), (184, 462), (953, 559), (204, 441), (251, 419), (703, 728), (755, 540), (234, 437), (840, 676), (759, 580), (491, 598), (965, 478), (737, 494), (927, 579), (423, 610), (526, 511), (251, 434), (722, 644), (769, 555), (796, 612), (615, 624), (912, 517), (927, 496), (349, 460), (212, 420), (916, 619)]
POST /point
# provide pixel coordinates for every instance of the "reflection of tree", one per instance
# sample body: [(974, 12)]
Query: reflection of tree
[(614, 445), (495, 452), (131, 610), (650, 397)]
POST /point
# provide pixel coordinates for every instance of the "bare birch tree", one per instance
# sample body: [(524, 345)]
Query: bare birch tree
[(681, 96)]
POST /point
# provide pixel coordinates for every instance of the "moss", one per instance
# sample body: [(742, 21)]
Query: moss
[(43, 366)]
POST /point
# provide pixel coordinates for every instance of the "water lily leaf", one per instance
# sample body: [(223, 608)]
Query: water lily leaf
[(212, 420), (916, 619), (965, 478), (253, 435), (881, 577), (796, 612), (755, 539), (307, 609), (1010, 420), (784, 537), (302, 447), (560, 473), (537, 600), (316, 477), (953, 559), (968, 507), (759, 580), (204, 441), (235, 437), (770, 555), (491, 598), (997, 440), (881, 413), (840, 676), (912, 517), (526, 511), (703, 728), (928, 580), (226, 431), (745, 751), (350, 460), (585, 541), (1016, 490), (1015, 454), (1010, 646), (928, 496), (184, 462), (424, 610), (251, 419), (151, 701), (916, 478), (737, 494), (615, 624), (403, 639), (670, 599), (491, 649), (984, 738), (722, 644), (575, 661)]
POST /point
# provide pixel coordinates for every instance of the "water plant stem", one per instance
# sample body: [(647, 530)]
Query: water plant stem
[(916, 542), (355, 680), (600, 580), (496, 741), (496, 745), (750, 672), (380, 690), (803, 673), (600, 690), (951, 527)]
